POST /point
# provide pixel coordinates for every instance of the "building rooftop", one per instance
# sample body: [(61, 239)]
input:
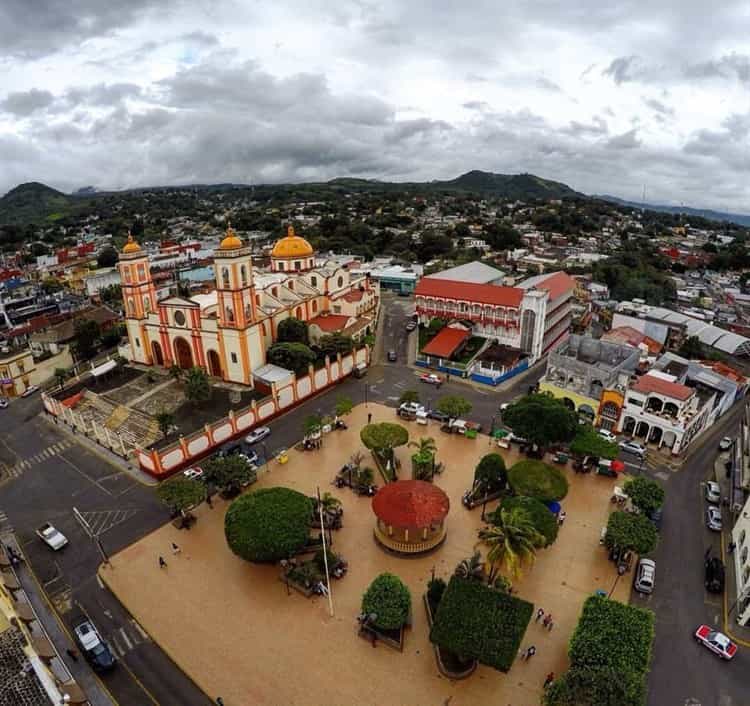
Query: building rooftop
[(660, 385), (330, 323), (476, 272), (467, 291), (556, 283), (411, 504), (446, 342)]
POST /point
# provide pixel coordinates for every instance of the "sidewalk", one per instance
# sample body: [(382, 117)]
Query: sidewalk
[(105, 454), (737, 632)]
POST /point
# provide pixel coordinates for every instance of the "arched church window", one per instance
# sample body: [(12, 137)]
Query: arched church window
[(230, 314), (225, 276), (131, 307), (341, 282), (249, 311), (147, 305), (243, 275)]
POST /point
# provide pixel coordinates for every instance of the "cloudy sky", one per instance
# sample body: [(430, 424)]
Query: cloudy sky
[(607, 97)]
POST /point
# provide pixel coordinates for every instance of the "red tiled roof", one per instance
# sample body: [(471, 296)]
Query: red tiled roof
[(725, 370), (330, 323), (470, 292), (446, 342), (410, 503), (650, 383), (557, 284), (354, 296)]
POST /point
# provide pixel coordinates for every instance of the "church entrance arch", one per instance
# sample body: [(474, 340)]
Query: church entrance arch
[(183, 354), (158, 355)]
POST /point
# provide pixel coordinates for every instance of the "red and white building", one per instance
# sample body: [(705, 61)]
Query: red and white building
[(533, 317)]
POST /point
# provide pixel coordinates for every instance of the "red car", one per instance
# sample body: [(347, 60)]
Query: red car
[(716, 641), (431, 379)]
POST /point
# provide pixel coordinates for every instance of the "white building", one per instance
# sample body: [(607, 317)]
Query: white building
[(101, 279)]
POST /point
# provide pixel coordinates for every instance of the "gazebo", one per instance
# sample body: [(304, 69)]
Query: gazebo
[(410, 516)]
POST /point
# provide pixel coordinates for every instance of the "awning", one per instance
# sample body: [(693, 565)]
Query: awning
[(104, 368)]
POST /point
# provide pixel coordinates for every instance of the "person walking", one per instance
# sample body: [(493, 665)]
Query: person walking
[(530, 652), (561, 518), (162, 563), (547, 620), (539, 615), (175, 549), (550, 678), (550, 624), (369, 417), (72, 654)]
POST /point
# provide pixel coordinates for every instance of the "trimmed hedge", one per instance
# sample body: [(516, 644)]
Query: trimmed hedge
[(269, 524), (537, 480), (476, 621), (490, 474), (389, 599), (541, 516), (628, 531)]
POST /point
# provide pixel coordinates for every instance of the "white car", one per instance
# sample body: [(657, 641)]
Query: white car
[(53, 538), (30, 391), (713, 492), (607, 435), (713, 518), (632, 447), (96, 650), (431, 379), (194, 473), (716, 641), (257, 434), (644, 576), (411, 407)]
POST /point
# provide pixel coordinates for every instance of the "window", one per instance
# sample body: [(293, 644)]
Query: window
[(281, 266), (745, 574), (225, 276), (635, 402), (743, 556), (141, 272), (131, 307), (21, 367), (243, 275), (137, 343), (230, 314), (233, 356), (147, 305), (743, 536), (314, 281), (336, 308), (297, 265), (340, 282), (127, 275), (248, 311), (314, 306), (179, 318)]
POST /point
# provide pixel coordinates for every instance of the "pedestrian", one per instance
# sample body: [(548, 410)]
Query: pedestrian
[(369, 417), (550, 624), (561, 518), (209, 502), (530, 652), (550, 678), (731, 547), (175, 549), (162, 563), (539, 615), (547, 620), (72, 654)]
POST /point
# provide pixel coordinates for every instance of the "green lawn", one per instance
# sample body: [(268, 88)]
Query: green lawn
[(537, 480)]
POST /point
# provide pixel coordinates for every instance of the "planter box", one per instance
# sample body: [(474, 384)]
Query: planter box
[(445, 671)]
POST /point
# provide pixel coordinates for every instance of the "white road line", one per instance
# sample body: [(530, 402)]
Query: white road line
[(100, 582), (126, 638), (138, 627), (116, 647)]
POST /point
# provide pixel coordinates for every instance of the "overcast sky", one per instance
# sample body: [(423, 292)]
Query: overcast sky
[(607, 97)]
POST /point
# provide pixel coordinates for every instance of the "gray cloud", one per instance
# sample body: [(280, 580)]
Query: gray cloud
[(626, 141), (658, 106), (24, 103), (621, 69), (728, 66)]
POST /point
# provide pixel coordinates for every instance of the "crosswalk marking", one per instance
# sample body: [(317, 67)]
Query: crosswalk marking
[(126, 638), (5, 526), (16, 470)]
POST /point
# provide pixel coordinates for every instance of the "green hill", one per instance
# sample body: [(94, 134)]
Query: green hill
[(33, 203), (510, 186)]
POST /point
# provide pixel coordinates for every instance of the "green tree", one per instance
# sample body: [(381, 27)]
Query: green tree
[(543, 519), (423, 461), (197, 388), (471, 568), (647, 495), (229, 472), (176, 372), (85, 337), (62, 375), (409, 396), (296, 357), (165, 420), (344, 406), (512, 540), (537, 480), (111, 295), (388, 599), (454, 406), (589, 685), (312, 424), (293, 330), (107, 257), (383, 438), (692, 348), (541, 419), (490, 474), (631, 532), (180, 494), (588, 442), (111, 337), (335, 343)]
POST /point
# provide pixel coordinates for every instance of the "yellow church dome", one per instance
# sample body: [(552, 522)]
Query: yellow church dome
[(292, 246), (231, 241), (131, 246)]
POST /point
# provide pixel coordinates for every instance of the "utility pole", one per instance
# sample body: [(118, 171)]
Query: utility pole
[(94, 537), (325, 554)]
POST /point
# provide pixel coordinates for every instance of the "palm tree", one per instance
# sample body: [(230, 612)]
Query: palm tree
[(424, 459), (512, 540), (176, 372), (471, 568), (426, 445)]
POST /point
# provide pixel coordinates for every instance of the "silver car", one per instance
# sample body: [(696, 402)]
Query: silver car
[(644, 576), (713, 492), (632, 447), (713, 518)]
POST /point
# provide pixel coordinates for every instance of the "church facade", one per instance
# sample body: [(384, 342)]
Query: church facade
[(228, 331)]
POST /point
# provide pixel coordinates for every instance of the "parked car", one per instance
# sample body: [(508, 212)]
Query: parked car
[(95, 650), (632, 447), (713, 518), (30, 391), (3, 402), (257, 434), (431, 379), (714, 578), (607, 435), (726, 443), (503, 407), (392, 357), (411, 325), (645, 574), (716, 641), (438, 415), (194, 473), (713, 492), (52, 537), (411, 407)]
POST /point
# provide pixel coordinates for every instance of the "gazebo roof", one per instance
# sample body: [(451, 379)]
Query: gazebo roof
[(410, 503)]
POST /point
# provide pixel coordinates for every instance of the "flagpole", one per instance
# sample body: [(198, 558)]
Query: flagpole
[(325, 554)]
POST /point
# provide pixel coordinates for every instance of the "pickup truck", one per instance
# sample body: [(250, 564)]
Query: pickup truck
[(53, 538)]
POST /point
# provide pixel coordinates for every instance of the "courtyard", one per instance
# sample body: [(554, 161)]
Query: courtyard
[(231, 626)]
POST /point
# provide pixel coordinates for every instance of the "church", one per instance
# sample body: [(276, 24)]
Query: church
[(228, 331)]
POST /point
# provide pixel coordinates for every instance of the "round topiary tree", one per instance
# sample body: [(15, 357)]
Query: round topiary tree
[(490, 474), (388, 599), (269, 524), (537, 480), (541, 516)]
